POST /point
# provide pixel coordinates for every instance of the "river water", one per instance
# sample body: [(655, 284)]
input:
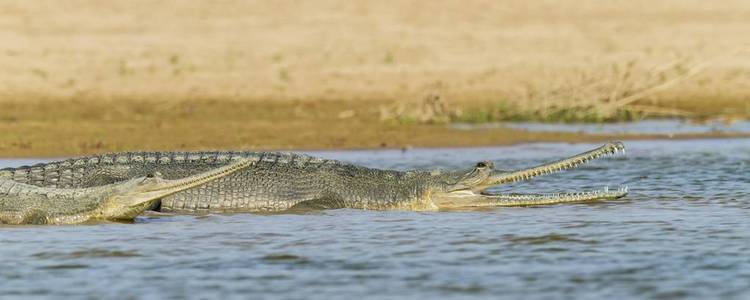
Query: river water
[(660, 126), (682, 232)]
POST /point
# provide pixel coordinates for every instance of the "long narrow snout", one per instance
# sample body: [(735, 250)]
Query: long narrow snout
[(477, 196), (168, 187), (471, 199), (501, 177)]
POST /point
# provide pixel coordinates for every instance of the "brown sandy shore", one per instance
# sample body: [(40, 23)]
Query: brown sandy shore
[(81, 76), (75, 128)]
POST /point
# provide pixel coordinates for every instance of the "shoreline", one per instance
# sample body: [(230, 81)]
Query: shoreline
[(89, 126), (344, 75), (82, 127), (580, 138)]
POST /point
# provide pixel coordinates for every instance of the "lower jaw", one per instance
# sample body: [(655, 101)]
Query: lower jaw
[(603, 194), (470, 199)]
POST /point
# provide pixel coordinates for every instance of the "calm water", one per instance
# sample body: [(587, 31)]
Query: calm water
[(683, 232), (667, 126)]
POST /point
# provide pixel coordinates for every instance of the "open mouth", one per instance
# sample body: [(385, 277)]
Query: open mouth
[(479, 196), (609, 149)]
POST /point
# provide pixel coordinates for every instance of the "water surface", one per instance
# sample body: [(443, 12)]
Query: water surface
[(666, 126), (683, 232)]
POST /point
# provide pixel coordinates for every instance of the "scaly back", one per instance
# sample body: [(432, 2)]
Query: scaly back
[(273, 182), (97, 170)]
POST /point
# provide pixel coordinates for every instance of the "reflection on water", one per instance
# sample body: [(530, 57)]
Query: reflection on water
[(667, 126), (683, 232)]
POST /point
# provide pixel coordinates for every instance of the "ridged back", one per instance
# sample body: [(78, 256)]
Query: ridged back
[(102, 169)]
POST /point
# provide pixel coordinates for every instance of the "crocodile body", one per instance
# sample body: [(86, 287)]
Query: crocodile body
[(274, 182), (279, 181), (22, 203)]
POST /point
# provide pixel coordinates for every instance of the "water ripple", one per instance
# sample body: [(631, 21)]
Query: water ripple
[(681, 233)]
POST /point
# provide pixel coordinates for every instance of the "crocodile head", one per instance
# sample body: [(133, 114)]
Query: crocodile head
[(130, 198), (469, 189)]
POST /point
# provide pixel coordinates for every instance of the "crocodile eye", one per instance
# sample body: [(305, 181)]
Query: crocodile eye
[(484, 165), (150, 175)]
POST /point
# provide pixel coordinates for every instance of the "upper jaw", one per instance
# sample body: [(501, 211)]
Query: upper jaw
[(500, 177)]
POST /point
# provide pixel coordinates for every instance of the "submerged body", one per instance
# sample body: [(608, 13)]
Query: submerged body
[(22, 203), (280, 181)]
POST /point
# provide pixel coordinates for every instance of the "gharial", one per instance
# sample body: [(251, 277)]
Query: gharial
[(280, 181), (27, 204)]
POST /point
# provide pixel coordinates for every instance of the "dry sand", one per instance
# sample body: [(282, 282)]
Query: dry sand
[(92, 76)]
